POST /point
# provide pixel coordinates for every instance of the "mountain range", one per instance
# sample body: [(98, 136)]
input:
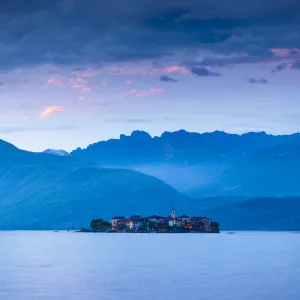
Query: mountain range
[(39, 190), (209, 164), (243, 181)]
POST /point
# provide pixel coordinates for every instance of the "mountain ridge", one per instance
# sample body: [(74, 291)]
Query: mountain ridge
[(44, 191), (208, 164)]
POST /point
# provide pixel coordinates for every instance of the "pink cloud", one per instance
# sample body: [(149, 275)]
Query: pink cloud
[(53, 81), (128, 82), (146, 70), (78, 83), (284, 51), (104, 83), (81, 98), (149, 92), (86, 89), (50, 110), (141, 93), (171, 69)]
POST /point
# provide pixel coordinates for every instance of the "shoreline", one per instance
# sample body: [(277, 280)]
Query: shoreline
[(147, 232)]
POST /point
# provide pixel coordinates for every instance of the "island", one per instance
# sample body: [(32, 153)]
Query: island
[(155, 223)]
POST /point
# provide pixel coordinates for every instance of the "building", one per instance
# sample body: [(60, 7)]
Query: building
[(185, 219), (173, 213), (155, 218), (115, 220), (123, 223), (200, 221), (138, 223), (171, 221)]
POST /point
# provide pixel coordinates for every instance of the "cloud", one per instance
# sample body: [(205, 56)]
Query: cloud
[(230, 61), (285, 51), (172, 69), (296, 65), (280, 67), (8, 130), (1, 83), (50, 110), (86, 89), (134, 120), (79, 83), (292, 65), (146, 69), (202, 71), (5, 130), (167, 79), (141, 93), (86, 73), (258, 80), (149, 92), (53, 82), (68, 32)]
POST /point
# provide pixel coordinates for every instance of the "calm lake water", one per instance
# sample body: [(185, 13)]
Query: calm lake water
[(83, 266)]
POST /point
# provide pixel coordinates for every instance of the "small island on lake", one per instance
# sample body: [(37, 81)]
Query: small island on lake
[(155, 223)]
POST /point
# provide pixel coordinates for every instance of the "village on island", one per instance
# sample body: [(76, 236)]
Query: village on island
[(155, 223)]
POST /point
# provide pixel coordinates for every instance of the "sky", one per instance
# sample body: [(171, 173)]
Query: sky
[(75, 72)]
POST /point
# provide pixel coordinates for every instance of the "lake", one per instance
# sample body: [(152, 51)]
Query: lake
[(82, 266)]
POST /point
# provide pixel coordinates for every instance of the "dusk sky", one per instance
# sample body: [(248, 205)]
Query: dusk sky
[(74, 72)]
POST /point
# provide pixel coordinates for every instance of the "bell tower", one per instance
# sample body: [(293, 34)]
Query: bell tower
[(173, 213)]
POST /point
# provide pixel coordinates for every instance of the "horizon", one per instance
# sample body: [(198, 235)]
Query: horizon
[(152, 136)]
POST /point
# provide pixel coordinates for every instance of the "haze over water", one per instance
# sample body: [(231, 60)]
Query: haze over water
[(61, 266)]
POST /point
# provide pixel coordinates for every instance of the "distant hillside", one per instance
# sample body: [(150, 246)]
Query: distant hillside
[(43, 191), (272, 172), (259, 214), (208, 164), (46, 191)]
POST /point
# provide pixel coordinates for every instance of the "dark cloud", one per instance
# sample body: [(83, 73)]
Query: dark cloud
[(293, 65), (75, 70), (75, 33), (296, 65), (258, 80), (202, 71), (167, 79), (280, 67)]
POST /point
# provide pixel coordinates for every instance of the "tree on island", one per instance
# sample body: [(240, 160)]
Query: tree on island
[(215, 225), (151, 225), (99, 225)]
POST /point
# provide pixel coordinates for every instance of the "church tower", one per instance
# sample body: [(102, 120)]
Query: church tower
[(173, 214)]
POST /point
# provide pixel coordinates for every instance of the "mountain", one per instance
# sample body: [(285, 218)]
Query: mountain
[(208, 164), (42, 191), (179, 147), (58, 152), (259, 214), (271, 172)]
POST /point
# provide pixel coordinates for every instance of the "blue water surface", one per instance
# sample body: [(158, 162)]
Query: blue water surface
[(36, 265)]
